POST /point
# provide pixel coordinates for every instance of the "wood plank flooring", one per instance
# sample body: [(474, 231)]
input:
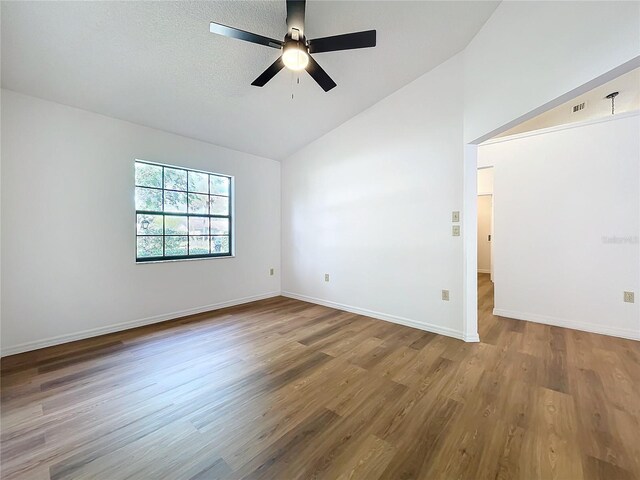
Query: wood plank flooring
[(282, 389)]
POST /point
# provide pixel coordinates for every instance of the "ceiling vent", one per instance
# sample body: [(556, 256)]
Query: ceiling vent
[(578, 107)]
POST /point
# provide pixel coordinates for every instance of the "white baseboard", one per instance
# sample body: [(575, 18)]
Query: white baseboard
[(484, 270), (471, 338), (561, 322), (118, 327), (427, 327)]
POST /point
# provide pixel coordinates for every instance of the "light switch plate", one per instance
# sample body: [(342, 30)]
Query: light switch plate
[(445, 295), (455, 216), (629, 297), (455, 230), (326, 277), (271, 271)]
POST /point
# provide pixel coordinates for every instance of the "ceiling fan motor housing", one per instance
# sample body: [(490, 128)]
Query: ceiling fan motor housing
[(290, 42)]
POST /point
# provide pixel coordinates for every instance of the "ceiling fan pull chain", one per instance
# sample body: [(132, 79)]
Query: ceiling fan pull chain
[(297, 76)]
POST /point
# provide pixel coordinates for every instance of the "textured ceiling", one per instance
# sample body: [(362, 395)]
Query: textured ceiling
[(156, 64)]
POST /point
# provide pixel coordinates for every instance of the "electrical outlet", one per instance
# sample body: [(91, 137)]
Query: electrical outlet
[(629, 297), (326, 277), (445, 295), (455, 216), (455, 230), (271, 271)]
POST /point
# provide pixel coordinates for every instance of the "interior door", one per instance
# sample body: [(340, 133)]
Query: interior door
[(485, 210)]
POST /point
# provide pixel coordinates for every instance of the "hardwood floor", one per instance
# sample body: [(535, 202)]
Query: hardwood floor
[(281, 389)]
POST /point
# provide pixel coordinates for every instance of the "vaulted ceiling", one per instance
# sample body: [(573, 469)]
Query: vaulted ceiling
[(156, 64)]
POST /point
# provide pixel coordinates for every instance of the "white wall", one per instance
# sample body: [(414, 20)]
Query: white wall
[(531, 53), (561, 196), (526, 57), (485, 181), (370, 203), (68, 226)]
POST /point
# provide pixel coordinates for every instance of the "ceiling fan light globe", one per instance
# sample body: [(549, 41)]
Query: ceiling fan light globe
[(295, 58)]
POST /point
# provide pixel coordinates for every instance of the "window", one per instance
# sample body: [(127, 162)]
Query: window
[(182, 213)]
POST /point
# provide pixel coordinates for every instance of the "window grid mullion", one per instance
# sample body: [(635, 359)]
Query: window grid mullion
[(180, 191), (207, 216), (180, 214), (188, 218), (209, 211), (164, 253)]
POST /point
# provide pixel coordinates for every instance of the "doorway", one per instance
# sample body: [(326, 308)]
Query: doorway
[(485, 260), (485, 234), (471, 294)]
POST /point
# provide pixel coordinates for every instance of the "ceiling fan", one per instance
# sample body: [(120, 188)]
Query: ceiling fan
[(296, 49)]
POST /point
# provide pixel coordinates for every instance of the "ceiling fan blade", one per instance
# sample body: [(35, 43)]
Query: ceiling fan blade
[(295, 15), (347, 41), (319, 75), (220, 29), (269, 73)]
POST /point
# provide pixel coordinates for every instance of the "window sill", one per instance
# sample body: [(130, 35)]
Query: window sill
[(184, 260)]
